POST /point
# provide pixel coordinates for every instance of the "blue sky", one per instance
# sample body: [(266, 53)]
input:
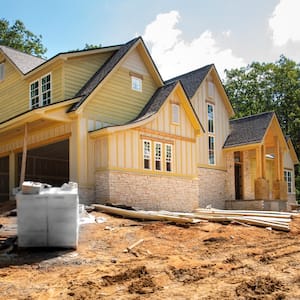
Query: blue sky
[(181, 35)]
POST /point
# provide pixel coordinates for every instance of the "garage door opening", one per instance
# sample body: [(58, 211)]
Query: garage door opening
[(4, 178), (47, 164)]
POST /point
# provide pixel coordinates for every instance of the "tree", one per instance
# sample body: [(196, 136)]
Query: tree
[(263, 87), (20, 38)]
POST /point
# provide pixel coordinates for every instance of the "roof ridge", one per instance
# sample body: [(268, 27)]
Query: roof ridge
[(189, 73), (21, 52), (251, 116)]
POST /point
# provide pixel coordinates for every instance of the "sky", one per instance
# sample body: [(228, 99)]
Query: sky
[(181, 35)]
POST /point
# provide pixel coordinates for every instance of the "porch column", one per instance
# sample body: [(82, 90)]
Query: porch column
[(12, 174), (261, 184), (279, 185)]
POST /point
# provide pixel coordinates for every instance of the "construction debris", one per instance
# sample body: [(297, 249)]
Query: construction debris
[(267, 219)]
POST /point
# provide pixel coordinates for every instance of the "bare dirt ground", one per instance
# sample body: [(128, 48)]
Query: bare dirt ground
[(202, 261)]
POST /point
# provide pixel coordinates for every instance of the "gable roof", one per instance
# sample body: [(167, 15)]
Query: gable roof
[(155, 102), (103, 72), (23, 62), (248, 130), (192, 80)]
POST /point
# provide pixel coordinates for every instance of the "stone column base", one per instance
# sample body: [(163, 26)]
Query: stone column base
[(279, 190), (261, 186)]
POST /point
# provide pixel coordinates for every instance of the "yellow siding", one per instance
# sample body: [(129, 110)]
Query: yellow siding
[(78, 70), (221, 124), (115, 102), (126, 148), (13, 93)]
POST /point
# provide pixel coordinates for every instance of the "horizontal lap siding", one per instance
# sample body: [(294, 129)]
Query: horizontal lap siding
[(13, 93), (77, 71)]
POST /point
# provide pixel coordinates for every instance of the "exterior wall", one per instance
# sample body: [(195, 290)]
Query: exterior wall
[(147, 191), (217, 186), (115, 102), (221, 123), (289, 165), (13, 93), (78, 70)]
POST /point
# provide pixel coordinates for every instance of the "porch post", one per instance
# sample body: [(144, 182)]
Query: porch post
[(12, 173), (261, 184), (279, 185), (24, 156)]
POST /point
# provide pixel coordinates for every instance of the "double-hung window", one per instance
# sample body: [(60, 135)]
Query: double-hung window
[(211, 133), (40, 92), (147, 154), (288, 179), (168, 157), (158, 155)]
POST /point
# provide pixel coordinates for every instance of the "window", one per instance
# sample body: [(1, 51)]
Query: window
[(168, 158), (211, 150), (211, 89), (175, 113), (136, 83), (210, 118), (1, 71), (46, 90), (147, 154), (40, 92), (288, 179), (157, 156)]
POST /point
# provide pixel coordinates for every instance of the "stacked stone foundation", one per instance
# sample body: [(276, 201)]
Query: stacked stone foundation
[(149, 192)]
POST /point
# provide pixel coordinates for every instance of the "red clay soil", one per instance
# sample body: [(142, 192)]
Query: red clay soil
[(202, 261)]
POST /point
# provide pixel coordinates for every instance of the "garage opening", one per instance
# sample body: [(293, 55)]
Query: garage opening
[(4, 178), (47, 164)]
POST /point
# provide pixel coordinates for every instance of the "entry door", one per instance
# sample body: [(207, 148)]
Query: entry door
[(238, 175)]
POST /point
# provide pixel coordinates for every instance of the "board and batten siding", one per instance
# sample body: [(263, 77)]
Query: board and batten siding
[(221, 124), (78, 70), (123, 150), (116, 102)]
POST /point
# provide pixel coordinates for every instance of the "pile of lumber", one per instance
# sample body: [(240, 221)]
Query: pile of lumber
[(268, 219)]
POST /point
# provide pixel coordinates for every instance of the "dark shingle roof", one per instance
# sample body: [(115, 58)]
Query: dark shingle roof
[(102, 72), (23, 61), (192, 80), (155, 102), (248, 130)]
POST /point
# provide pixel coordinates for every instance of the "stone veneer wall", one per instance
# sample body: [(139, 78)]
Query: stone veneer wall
[(151, 192), (217, 186), (86, 195), (248, 188)]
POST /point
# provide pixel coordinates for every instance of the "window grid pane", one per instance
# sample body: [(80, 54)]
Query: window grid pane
[(158, 156), (168, 158), (211, 150), (210, 118), (175, 113), (46, 90), (34, 94), (136, 84), (147, 154)]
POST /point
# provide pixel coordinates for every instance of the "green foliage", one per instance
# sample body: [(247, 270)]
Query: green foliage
[(263, 87), (19, 38)]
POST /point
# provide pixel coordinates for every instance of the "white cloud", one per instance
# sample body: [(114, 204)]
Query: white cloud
[(174, 55), (285, 22)]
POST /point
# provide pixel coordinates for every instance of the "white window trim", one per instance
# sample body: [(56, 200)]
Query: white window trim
[(170, 160), (2, 71), (136, 87), (156, 158), (213, 118), (175, 113), (287, 182), (214, 163), (40, 93), (150, 155)]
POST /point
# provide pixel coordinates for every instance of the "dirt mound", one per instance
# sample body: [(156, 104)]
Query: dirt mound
[(259, 287)]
